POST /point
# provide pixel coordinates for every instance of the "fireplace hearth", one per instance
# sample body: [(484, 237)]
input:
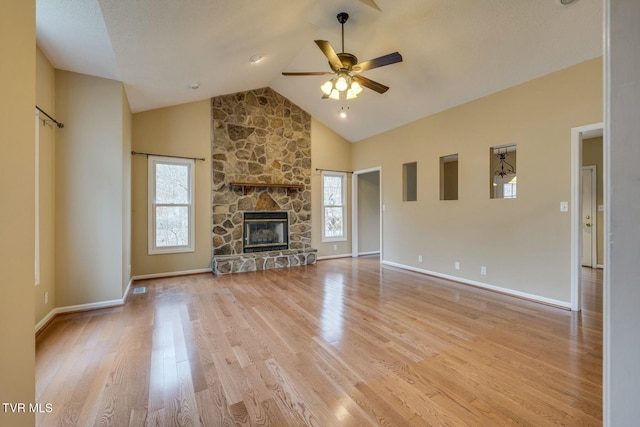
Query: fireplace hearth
[(265, 231)]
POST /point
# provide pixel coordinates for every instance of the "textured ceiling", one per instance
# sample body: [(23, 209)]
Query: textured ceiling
[(454, 50)]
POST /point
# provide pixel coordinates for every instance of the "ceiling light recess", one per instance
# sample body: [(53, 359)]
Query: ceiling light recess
[(565, 2)]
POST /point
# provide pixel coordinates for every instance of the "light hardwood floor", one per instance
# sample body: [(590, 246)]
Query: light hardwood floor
[(344, 342)]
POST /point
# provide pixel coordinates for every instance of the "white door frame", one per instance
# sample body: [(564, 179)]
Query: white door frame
[(594, 213), (577, 135), (354, 209)]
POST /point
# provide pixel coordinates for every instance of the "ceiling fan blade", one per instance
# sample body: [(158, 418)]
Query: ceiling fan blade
[(380, 61), (331, 54), (372, 4), (368, 83), (307, 73)]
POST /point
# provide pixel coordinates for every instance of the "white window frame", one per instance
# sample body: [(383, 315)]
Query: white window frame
[(343, 177), (152, 248)]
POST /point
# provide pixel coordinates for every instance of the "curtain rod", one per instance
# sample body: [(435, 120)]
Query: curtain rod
[(59, 124), (136, 153), (332, 170)]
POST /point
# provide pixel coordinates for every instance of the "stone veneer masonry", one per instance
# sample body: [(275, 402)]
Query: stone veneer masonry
[(260, 137)]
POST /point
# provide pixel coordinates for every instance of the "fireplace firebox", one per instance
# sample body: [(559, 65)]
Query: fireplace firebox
[(266, 231)]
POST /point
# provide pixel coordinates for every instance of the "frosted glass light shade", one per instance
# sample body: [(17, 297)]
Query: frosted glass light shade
[(327, 87)]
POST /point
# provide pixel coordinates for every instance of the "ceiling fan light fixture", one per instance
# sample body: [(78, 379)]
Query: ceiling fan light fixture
[(341, 84), (327, 87), (356, 88), (335, 94), (344, 85), (352, 94)]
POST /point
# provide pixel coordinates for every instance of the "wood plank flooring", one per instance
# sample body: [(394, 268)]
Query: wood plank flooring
[(344, 342)]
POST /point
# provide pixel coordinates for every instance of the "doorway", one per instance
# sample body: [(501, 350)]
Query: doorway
[(367, 212), (578, 223)]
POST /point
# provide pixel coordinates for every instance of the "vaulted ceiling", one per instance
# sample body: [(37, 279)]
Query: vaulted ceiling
[(454, 50)]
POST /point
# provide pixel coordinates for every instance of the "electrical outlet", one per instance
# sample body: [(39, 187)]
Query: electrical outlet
[(335, 247), (457, 265), (419, 258), (46, 297), (483, 270)]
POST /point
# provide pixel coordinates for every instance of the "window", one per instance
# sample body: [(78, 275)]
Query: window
[(333, 209), (171, 214)]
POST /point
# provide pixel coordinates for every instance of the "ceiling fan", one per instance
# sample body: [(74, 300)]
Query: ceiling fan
[(347, 83)]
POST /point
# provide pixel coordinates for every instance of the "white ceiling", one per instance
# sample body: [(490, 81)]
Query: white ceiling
[(454, 50)]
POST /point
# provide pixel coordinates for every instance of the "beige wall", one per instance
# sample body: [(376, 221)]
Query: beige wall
[(45, 99), (328, 151), (525, 242), (181, 130), (592, 155), (369, 212), (90, 179), (17, 221)]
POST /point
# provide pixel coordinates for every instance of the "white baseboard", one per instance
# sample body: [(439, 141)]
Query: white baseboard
[(46, 319), (511, 292), (170, 274), (113, 303), (127, 289), (369, 253), (77, 308), (320, 258)]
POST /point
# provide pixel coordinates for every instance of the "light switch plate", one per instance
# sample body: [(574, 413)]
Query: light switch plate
[(564, 206)]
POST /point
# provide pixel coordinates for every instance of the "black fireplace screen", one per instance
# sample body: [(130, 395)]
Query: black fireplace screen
[(266, 231)]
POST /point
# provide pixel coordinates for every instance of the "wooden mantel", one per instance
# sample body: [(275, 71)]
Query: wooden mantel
[(245, 185)]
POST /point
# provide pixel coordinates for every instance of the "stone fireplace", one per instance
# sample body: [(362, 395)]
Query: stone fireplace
[(261, 147)]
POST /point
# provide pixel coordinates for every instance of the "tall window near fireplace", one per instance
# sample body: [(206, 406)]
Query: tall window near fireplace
[(334, 226), (171, 213)]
